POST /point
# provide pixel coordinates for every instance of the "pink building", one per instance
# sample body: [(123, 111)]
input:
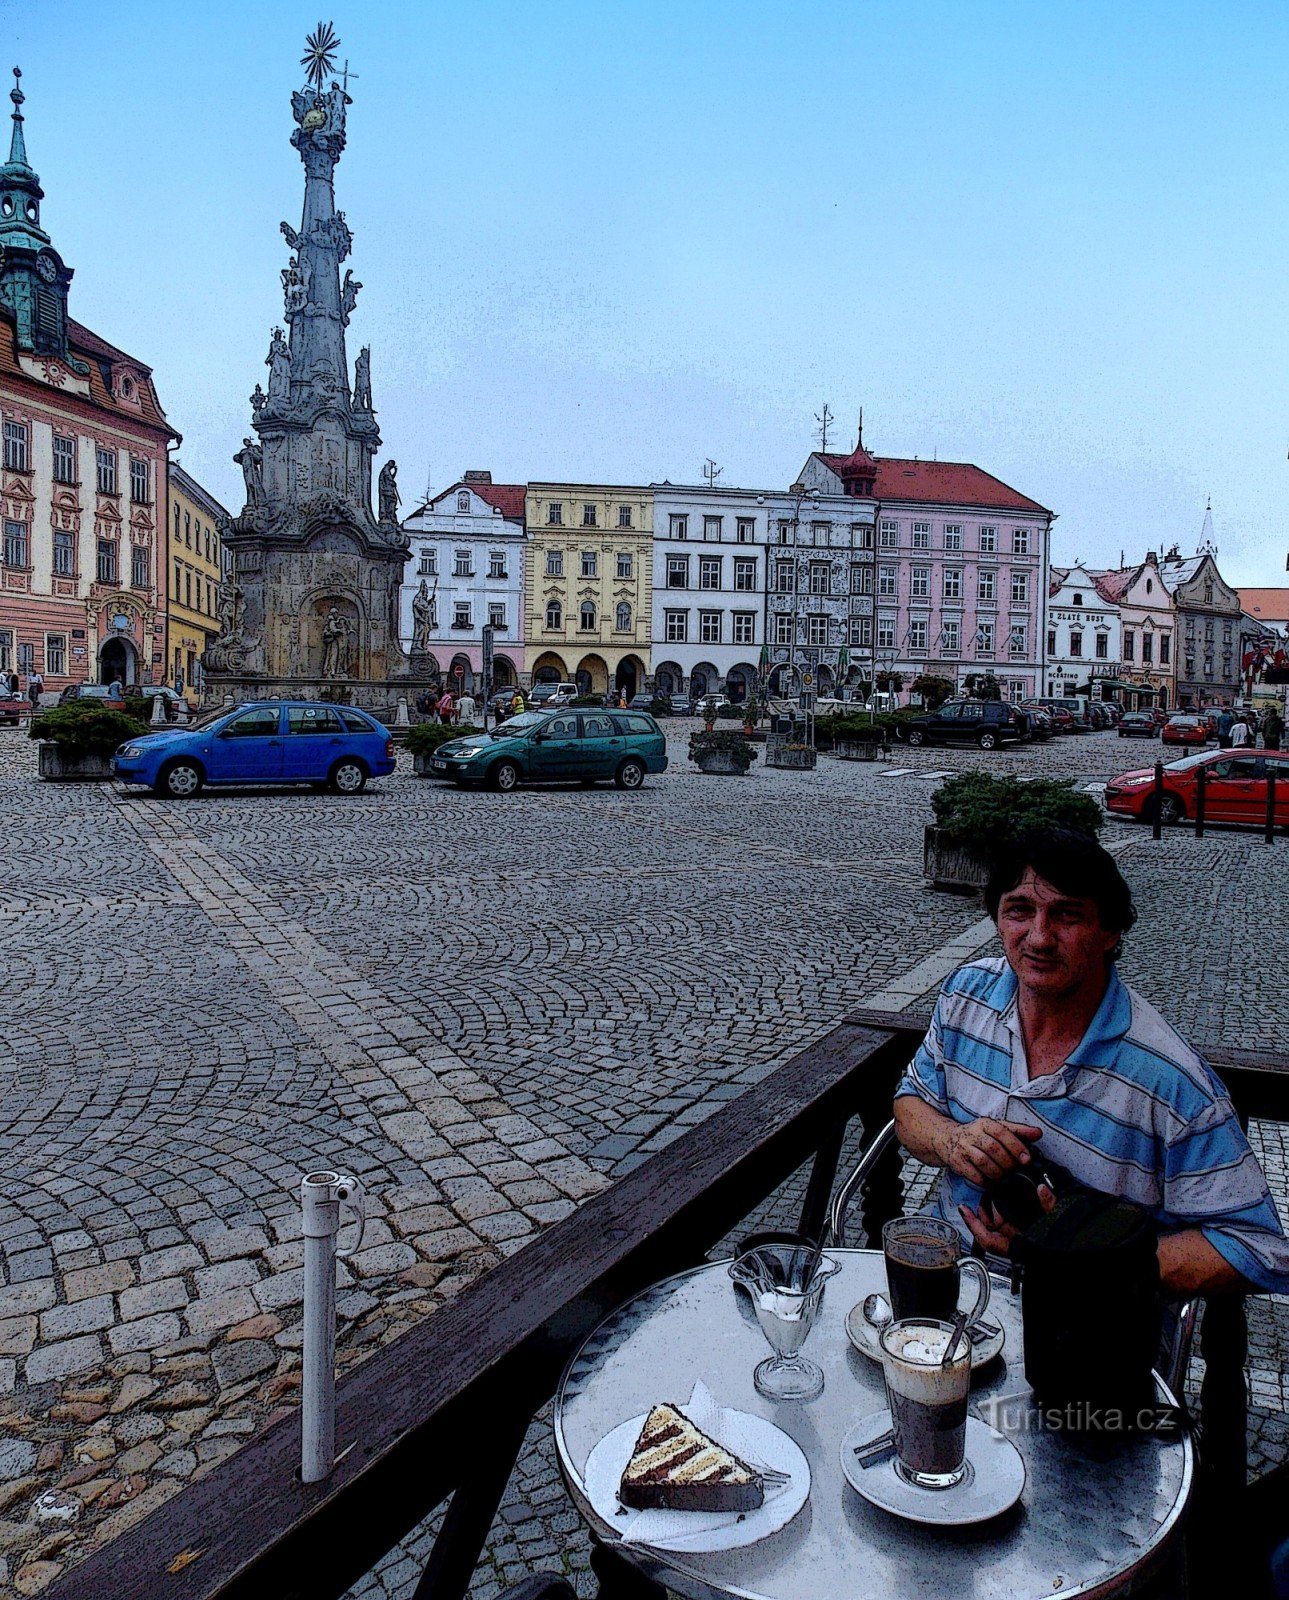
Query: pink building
[(961, 571)]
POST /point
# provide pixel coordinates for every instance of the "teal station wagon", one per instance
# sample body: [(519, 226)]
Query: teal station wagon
[(550, 747)]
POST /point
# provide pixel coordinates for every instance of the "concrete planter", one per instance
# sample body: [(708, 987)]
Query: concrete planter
[(720, 764), (793, 760), (851, 750), (58, 765), (951, 865)]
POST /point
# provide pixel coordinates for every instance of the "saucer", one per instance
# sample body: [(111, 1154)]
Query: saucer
[(863, 1335), (994, 1482)]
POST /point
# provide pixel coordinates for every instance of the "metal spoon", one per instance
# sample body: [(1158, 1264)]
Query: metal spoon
[(959, 1329), (877, 1311)]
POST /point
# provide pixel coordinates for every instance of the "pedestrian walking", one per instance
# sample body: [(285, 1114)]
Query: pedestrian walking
[(520, 708), (447, 706), (1225, 721), (1273, 729), (1239, 732), (35, 683), (466, 709)]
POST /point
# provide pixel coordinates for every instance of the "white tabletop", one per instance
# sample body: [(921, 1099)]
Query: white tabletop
[(1086, 1523)]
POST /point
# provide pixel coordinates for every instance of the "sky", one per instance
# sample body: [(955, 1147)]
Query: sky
[(606, 241)]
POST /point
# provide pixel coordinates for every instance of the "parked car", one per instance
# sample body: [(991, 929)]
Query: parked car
[(1138, 725), (1075, 706), (547, 696), (658, 705), (987, 723), (1098, 716), (1161, 716), (1042, 727), (1059, 719), (12, 708), (1185, 730), (549, 747), (92, 691), (1113, 710), (267, 741), (698, 701), (1235, 788)]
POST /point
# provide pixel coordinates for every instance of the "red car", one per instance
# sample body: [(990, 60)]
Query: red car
[(1235, 788), (1185, 730)]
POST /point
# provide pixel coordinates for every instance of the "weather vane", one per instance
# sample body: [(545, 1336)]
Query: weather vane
[(320, 54)]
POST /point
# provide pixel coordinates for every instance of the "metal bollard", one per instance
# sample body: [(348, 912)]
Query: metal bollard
[(1270, 767), (1201, 785), (1157, 829), (321, 1196)]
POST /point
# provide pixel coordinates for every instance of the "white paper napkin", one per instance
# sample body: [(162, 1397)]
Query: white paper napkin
[(681, 1529)]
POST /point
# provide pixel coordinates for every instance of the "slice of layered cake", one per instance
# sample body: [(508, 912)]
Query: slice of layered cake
[(676, 1467)]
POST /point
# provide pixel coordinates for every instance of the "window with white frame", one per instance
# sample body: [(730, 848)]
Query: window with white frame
[(886, 582), (678, 572), (1102, 647), (1020, 541), (817, 630), (586, 616), (989, 539), (819, 532), (56, 655), (861, 578), (461, 564), (588, 515), (676, 626), (461, 614), (1165, 649), (744, 574), (105, 471), (985, 586), (26, 659), (496, 563), (496, 614), (139, 573), (555, 514), (952, 637), (15, 446), (744, 627), (106, 565), (890, 535), (921, 535), (140, 481), (678, 525), (590, 564), (554, 616), (886, 633), (712, 527), (709, 572), (554, 563), (745, 528), (16, 547), (782, 628), (917, 633), (65, 460), (953, 536), (624, 516), (920, 582), (1129, 644), (953, 583), (1020, 588), (626, 566), (861, 632), (861, 535), (1019, 643), (709, 627), (783, 574), (985, 639), (622, 617), (820, 577), (64, 554)]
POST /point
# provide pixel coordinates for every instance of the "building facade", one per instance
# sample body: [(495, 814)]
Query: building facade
[(83, 470), (961, 568), (1148, 635), (194, 568), (709, 588), (1208, 625), (465, 572), (1083, 636), (588, 586)]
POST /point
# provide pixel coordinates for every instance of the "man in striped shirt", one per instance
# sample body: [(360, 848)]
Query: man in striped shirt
[(1047, 1047)]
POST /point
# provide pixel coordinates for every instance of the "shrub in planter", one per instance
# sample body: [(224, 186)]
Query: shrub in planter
[(729, 713), (426, 737), (977, 814), (85, 728), (589, 700), (727, 746)]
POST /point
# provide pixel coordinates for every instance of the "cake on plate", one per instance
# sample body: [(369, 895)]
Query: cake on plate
[(676, 1467)]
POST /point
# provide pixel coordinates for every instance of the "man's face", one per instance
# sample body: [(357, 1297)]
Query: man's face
[(1053, 942)]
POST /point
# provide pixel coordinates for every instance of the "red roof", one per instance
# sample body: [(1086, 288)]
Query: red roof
[(949, 483), (508, 498), (89, 347), (1113, 585), (1268, 605)]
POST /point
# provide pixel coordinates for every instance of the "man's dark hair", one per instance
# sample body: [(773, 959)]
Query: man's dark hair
[(1072, 862)]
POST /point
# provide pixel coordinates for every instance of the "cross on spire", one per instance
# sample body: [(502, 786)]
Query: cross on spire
[(18, 145)]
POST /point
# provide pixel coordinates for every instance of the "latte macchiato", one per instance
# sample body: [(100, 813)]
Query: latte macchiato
[(928, 1400)]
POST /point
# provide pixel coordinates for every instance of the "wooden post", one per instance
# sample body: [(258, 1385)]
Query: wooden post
[(1201, 782), (1157, 828)]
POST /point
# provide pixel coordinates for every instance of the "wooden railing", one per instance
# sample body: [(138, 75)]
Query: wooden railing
[(443, 1410)]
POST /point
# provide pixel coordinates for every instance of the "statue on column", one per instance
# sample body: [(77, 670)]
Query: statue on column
[(251, 460), (278, 361), (389, 496), (348, 295), (362, 380), (335, 644), (423, 617), (258, 401)]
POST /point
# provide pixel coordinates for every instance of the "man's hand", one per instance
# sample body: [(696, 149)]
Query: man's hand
[(989, 1230), (981, 1151)]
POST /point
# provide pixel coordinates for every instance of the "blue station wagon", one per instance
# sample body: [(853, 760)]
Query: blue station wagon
[(542, 746), (268, 741)]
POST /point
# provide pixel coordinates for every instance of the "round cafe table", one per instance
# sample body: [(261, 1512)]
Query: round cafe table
[(1087, 1523)]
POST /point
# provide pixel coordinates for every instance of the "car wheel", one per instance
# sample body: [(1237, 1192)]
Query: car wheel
[(916, 736), (180, 780), (348, 777), (630, 775), (504, 776), (1171, 811), (988, 741)]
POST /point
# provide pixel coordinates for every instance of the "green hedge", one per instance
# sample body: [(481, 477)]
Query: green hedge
[(85, 727), (426, 737), (730, 743), (985, 812)]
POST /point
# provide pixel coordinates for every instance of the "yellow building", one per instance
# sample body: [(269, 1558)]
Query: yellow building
[(193, 568), (588, 585)]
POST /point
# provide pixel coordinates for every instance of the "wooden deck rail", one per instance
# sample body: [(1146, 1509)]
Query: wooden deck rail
[(442, 1411)]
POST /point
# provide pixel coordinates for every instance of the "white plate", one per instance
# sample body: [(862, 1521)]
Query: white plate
[(703, 1531), (863, 1335), (994, 1483)]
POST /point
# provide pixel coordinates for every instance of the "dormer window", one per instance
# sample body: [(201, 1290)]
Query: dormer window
[(1078, 600)]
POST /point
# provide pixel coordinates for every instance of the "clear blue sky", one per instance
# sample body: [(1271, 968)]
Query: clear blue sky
[(606, 240)]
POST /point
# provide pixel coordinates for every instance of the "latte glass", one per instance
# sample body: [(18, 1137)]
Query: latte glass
[(928, 1400)]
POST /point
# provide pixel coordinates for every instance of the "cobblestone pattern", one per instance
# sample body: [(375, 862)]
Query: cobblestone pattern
[(483, 1005)]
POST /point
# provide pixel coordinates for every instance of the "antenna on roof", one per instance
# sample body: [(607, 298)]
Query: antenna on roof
[(711, 472), (825, 419)]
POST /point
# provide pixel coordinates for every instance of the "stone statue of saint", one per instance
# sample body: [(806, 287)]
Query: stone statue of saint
[(251, 460), (389, 496), (348, 295), (278, 361), (422, 617), (295, 285), (230, 605), (362, 379), (335, 104), (335, 644)]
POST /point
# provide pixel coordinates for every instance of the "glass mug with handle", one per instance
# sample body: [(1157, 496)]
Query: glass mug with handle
[(924, 1267)]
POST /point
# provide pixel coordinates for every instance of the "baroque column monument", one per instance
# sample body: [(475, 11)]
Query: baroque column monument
[(311, 607)]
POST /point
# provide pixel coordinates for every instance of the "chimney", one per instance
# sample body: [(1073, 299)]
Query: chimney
[(476, 477)]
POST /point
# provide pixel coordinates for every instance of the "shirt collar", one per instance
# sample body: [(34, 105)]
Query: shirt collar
[(1110, 1022)]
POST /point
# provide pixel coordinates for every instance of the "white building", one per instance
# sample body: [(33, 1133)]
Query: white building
[(468, 550), (1084, 635)]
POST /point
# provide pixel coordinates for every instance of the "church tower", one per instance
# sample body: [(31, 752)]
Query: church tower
[(312, 609)]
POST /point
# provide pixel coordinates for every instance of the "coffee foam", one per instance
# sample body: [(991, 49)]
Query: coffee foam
[(922, 1345)]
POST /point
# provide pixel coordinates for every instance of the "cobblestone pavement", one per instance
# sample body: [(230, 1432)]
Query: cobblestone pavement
[(486, 1006)]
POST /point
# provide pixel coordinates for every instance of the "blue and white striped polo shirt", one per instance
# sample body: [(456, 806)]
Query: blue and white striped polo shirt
[(1133, 1112)]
